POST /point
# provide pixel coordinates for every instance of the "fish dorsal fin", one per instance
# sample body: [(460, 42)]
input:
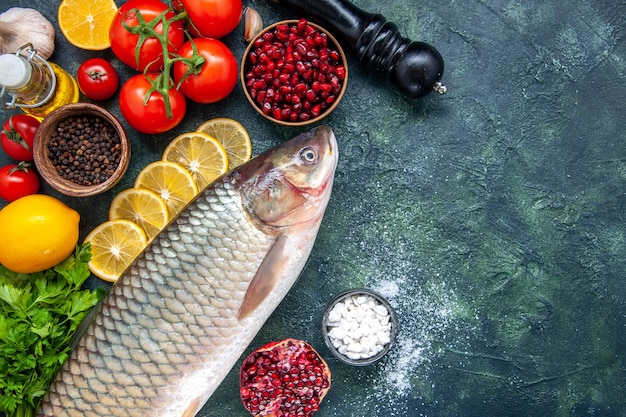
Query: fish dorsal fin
[(266, 278)]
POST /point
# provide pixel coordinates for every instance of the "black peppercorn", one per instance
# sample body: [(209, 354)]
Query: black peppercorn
[(85, 150)]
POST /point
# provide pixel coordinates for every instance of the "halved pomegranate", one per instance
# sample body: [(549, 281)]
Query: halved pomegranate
[(287, 378)]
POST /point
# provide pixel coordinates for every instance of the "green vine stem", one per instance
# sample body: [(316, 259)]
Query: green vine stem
[(163, 83)]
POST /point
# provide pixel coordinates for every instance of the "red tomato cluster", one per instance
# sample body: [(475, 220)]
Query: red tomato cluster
[(17, 136), (150, 37)]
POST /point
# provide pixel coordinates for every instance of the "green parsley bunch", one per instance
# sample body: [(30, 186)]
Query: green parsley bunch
[(39, 315)]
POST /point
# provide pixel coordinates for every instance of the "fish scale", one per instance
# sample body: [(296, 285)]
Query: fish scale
[(170, 329)]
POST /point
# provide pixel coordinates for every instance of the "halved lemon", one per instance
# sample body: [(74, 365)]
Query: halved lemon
[(201, 154), (142, 207), (85, 23), (173, 183), (114, 246), (233, 137)]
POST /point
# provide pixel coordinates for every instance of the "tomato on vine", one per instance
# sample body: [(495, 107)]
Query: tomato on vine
[(146, 109), (17, 136), (134, 30), (213, 18), (209, 71), (97, 79)]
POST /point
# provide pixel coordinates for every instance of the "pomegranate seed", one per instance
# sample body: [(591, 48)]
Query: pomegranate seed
[(302, 25), (325, 87), (300, 87), (302, 48), (340, 71)]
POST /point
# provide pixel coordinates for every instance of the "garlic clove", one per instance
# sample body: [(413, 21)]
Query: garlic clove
[(253, 24), (19, 26)]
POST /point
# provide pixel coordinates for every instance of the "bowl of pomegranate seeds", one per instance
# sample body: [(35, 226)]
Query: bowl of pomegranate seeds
[(294, 72), (359, 326)]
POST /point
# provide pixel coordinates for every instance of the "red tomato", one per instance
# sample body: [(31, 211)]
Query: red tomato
[(213, 18), (150, 116), (17, 181), (124, 43), (97, 79), (214, 79), (17, 136)]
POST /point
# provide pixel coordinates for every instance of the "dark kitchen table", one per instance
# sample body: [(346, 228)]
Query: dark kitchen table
[(492, 217)]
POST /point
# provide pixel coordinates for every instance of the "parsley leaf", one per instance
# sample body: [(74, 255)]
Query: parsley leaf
[(39, 315)]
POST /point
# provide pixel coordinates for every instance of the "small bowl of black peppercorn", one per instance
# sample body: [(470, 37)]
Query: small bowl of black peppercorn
[(81, 149)]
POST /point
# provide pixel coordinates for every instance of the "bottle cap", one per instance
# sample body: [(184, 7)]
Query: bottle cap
[(15, 71)]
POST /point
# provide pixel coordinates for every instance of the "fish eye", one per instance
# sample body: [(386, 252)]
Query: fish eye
[(308, 155)]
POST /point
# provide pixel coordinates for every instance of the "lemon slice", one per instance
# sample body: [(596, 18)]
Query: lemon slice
[(173, 183), (114, 246), (142, 207), (85, 23), (233, 137), (201, 154)]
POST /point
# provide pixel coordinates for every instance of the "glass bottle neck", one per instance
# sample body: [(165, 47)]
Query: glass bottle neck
[(28, 80)]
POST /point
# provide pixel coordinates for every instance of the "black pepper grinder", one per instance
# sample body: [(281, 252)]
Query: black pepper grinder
[(415, 68)]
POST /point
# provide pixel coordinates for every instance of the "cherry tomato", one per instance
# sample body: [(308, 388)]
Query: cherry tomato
[(214, 79), (97, 79), (150, 116), (17, 136), (18, 180), (213, 18), (124, 43)]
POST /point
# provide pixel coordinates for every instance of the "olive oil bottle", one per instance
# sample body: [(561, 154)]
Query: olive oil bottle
[(33, 84)]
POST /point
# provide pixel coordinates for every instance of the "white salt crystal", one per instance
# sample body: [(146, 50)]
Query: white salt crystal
[(384, 339), (381, 310), (355, 347), (334, 315), (353, 355), (358, 314)]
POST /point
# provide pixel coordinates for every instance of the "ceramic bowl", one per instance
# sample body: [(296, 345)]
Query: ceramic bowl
[(257, 102), (365, 300), (47, 168)]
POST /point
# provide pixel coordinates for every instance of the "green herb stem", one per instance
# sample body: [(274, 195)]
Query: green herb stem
[(162, 84)]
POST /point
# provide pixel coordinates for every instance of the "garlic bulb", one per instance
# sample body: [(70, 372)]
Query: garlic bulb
[(19, 26)]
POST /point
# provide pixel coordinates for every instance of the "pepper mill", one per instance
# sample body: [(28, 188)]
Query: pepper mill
[(415, 68)]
